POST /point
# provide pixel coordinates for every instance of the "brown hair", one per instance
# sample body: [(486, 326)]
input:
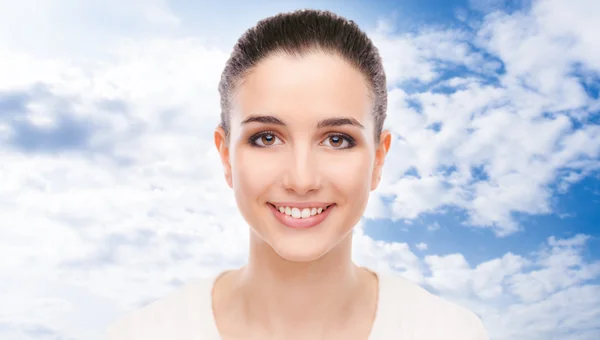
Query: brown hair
[(297, 33)]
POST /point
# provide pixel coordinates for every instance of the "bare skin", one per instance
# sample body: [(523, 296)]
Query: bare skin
[(254, 308), (300, 284)]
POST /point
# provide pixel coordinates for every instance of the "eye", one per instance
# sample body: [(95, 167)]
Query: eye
[(339, 141), (265, 139)]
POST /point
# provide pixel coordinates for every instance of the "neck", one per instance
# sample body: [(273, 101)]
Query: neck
[(283, 296)]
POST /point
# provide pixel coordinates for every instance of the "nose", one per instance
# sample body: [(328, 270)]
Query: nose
[(302, 174)]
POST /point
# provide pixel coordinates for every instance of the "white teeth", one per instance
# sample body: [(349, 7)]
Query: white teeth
[(296, 213), (300, 213)]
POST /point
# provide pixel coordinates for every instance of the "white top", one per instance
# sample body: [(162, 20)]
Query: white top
[(405, 311)]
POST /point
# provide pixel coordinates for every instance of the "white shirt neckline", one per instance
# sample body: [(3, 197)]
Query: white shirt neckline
[(404, 311)]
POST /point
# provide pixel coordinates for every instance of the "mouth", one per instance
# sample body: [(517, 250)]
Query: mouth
[(300, 216)]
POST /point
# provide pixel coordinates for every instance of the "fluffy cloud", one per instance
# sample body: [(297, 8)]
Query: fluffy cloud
[(453, 144), (52, 28), (422, 246), (111, 192)]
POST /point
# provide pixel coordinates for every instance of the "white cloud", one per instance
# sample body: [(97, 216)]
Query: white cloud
[(386, 257), (449, 273), (144, 207), (51, 28), (433, 227), (523, 291), (148, 193), (511, 123)]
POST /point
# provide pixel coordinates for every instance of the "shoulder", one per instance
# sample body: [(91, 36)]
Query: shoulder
[(172, 317), (427, 316)]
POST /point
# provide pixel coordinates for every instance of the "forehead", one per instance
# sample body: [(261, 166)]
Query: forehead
[(304, 89)]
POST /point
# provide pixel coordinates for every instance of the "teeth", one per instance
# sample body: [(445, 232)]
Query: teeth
[(300, 213), (296, 213)]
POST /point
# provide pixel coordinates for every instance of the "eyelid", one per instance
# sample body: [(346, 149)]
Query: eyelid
[(252, 139), (262, 133), (256, 136), (351, 141)]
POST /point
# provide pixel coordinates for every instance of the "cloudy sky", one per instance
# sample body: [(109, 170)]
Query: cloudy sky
[(111, 193)]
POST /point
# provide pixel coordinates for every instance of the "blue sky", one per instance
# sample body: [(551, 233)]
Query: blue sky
[(111, 193), (580, 204)]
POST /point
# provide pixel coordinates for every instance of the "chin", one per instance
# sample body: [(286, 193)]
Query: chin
[(296, 251)]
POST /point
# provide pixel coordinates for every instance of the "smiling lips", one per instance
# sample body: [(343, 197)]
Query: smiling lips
[(300, 215)]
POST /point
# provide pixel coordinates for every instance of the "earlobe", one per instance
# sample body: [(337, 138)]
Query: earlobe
[(376, 179), (228, 178), (220, 139)]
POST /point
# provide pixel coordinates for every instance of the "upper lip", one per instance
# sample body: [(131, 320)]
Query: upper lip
[(302, 204)]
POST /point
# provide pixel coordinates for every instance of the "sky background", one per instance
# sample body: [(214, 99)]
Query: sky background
[(112, 195)]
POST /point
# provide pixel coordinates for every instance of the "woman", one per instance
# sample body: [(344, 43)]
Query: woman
[(302, 144)]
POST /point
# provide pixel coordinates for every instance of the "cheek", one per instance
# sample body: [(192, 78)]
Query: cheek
[(350, 174), (252, 172)]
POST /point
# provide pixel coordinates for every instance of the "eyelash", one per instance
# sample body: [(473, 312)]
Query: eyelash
[(350, 140), (252, 140)]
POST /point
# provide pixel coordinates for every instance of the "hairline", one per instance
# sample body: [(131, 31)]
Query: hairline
[(298, 54)]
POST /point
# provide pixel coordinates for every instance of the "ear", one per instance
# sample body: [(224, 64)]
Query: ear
[(223, 147), (385, 139)]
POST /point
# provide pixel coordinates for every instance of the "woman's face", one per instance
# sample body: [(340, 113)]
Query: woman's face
[(302, 157)]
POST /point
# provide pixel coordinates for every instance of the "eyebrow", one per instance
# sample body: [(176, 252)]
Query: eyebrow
[(339, 121), (329, 122), (262, 119)]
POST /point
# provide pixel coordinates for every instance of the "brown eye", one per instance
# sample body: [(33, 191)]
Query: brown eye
[(336, 141), (267, 140), (339, 142)]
